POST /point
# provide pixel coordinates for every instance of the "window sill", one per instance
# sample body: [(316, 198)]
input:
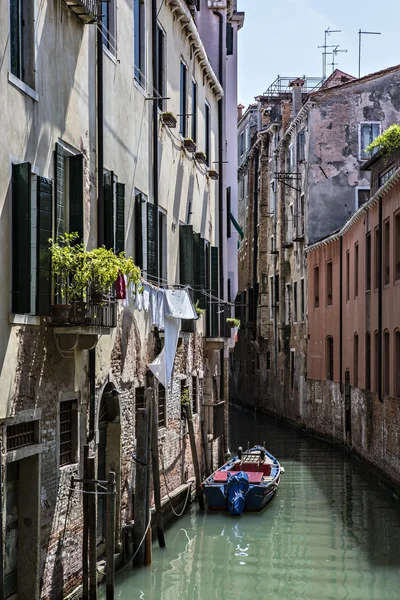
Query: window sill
[(109, 54), (69, 467), (16, 319), (23, 87), (139, 86)]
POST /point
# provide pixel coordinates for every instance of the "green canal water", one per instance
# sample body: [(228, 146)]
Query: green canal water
[(329, 534)]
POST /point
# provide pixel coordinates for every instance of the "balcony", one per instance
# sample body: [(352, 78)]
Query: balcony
[(86, 10)]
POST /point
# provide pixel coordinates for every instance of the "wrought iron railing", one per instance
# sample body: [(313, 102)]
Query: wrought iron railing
[(94, 311), (87, 10)]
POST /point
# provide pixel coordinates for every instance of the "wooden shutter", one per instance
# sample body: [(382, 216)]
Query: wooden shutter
[(229, 39), (109, 210), (138, 231), (120, 219), (21, 238), (186, 254), (59, 196), (214, 290), (44, 231), (76, 195), (202, 273), (151, 240)]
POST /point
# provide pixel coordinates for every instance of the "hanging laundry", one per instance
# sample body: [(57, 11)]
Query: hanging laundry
[(154, 306), (179, 304), (120, 287), (138, 298), (161, 308), (146, 297)]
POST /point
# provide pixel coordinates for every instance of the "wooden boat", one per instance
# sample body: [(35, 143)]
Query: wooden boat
[(246, 482)]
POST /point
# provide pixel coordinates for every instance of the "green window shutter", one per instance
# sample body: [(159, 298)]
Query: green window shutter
[(21, 238), (109, 210), (44, 232), (151, 240), (120, 220), (202, 272), (76, 195), (59, 196), (196, 265), (138, 231), (214, 290), (186, 254)]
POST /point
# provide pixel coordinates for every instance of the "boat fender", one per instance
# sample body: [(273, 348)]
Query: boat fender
[(282, 469), (240, 451)]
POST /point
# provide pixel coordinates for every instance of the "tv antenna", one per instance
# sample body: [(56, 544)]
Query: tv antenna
[(360, 33), (327, 32), (335, 51)]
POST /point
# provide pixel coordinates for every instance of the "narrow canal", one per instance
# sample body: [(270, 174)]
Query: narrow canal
[(329, 534)]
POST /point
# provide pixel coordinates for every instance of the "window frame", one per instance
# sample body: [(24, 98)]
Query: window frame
[(161, 83), (162, 423), (330, 358), (75, 449), (110, 35), (329, 282), (360, 149), (25, 70), (194, 99), (207, 132), (360, 188), (139, 50), (183, 98), (317, 286)]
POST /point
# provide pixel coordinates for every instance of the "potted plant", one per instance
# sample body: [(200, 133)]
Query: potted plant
[(66, 261), (189, 145), (168, 119), (201, 157), (232, 322), (101, 269), (199, 311), (213, 174)]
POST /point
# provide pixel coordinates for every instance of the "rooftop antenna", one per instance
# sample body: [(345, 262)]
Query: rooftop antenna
[(360, 33), (327, 32), (335, 52)]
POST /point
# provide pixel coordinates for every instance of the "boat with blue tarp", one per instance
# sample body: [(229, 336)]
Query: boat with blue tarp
[(247, 482)]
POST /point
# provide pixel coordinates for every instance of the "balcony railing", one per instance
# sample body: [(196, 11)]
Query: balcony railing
[(86, 10), (93, 312)]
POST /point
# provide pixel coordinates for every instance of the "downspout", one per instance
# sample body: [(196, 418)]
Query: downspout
[(341, 314), (380, 253), (100, 136), (255, 235), (1, 530), (155, 132), (274, 291), (92, 393)]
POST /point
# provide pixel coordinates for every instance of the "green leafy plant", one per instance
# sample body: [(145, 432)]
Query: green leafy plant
[(387, 142), (231, 322), (185, 399), (199, 311), (101, 268), (67, 264)]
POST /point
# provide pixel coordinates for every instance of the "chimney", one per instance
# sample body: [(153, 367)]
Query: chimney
[(240, 111), (297, 95)]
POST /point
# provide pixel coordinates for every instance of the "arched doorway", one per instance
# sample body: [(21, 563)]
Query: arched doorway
[(109, 457)]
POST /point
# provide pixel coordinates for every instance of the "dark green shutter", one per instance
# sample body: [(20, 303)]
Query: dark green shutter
[(44, 231), (109, 210), (229, 39), (59, 196), (214, 290), (151, 240), (76, 195), (21, 238), (138, 231), (186, 254), (202, 272), (196, 265), (120, 220)]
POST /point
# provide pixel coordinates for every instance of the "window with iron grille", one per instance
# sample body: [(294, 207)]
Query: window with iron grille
[(162, 417), (21, 434), (68, 438), (139, 403), (194, 394)]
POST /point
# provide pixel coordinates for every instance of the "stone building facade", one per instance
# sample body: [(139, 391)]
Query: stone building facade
[(89, 143)]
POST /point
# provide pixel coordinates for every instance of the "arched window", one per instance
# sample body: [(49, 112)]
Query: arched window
[(329, 358)]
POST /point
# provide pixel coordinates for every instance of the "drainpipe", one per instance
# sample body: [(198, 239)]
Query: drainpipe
[(275, 309), (92, 393), (341, 314), (100, 136), (1, 530), (255, 235), (380, 253), (155, 132)]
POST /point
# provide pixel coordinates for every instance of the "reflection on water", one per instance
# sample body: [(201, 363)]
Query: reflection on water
[(328, 534)]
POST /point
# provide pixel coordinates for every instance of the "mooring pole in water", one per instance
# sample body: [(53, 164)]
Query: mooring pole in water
[(203, 426), (85, 540), (199, 492), (110, 536), (92, 530), (147, 541), (156, 472), (140, 506)]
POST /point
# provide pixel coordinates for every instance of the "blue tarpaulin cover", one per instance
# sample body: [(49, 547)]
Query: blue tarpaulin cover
[(237, 486)]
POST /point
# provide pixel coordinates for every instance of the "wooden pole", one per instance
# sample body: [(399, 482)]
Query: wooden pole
[(110, 537), (204, 436), (148, 539), (156, 473), (140, 513), (92, 530), (199, 493), (85, 541), (148, 548)]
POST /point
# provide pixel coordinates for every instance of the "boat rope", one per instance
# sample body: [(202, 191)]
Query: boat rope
[(168, 490)]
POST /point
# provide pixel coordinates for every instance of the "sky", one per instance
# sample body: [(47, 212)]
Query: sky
[(282, 38)]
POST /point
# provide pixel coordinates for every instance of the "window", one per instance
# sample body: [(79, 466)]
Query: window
[(386, 252), (362, 196), (68, 432), (22, 41), (367, 361), (347, 276), (194, 394), (355, 361), (383, 177), (114, 213), (108, 22), (160, 68), (139, 41), (376, 336), (22, 434), (145, 235), (183, 101), (356, 270), (397, 362), (329, 283), (271, 298), (162, 412), (368, 262), (292, 357), (287, 303), (302, 299), (397, 246), (32, 214), (207, 133), (386, 363), (295, 302), (368, 132), (268, 360), (291, 158), (162, 245), (242, 144), (301, 139), (290, 224), (229, 39), (139, 403), (194, 111), (316, 287), (376, 258), (329, 358)]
